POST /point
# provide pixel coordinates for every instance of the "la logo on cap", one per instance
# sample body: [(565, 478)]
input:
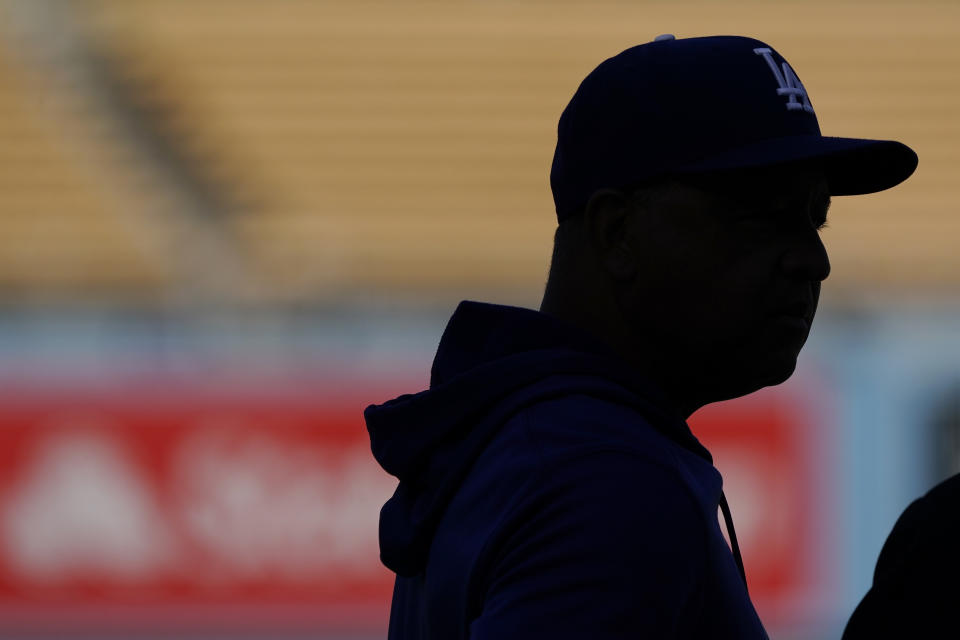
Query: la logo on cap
[(790, 84)]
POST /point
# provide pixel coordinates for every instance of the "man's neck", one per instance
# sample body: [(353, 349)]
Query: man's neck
[(606, 325)]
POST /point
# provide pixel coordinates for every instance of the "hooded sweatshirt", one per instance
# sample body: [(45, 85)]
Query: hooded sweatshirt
[(547, 490)]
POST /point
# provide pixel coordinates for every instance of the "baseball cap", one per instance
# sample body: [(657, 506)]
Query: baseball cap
[(703, 105)]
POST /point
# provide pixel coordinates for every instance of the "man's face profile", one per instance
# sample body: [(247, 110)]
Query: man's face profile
[(727, 277), (707, 284)]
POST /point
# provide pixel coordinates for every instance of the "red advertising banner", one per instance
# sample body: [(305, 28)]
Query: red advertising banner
[(763, 446), (224, 508), (183, 506)]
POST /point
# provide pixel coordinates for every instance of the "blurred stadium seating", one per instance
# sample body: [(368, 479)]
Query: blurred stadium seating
[(339, 148)]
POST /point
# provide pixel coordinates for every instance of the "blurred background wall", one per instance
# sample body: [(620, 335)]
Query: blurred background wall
[(226, 227)]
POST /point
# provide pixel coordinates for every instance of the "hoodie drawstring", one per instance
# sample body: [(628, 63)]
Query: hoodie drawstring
[(728, 520)]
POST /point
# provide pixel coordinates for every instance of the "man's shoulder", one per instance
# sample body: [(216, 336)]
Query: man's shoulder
[(576, 433), (578, 444), (566, 424), (914, 589)]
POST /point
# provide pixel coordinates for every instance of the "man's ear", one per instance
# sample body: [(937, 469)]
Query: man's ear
[(607, 217)]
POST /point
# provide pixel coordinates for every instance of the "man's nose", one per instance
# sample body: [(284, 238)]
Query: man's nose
[(806, 258)]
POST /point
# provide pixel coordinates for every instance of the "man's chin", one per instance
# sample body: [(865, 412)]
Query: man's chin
[(775, 364), (780, 371), (774, 372)]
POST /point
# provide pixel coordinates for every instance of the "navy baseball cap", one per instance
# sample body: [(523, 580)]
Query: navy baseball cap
[(703, 105)]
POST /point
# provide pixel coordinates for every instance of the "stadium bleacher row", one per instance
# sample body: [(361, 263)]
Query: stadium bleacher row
[(58, 231), (405, 146)]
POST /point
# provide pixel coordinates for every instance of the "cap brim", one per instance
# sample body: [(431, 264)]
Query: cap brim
[(852, 166)]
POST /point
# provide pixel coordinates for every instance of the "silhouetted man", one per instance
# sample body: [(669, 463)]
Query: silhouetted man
[(916, 584), (549, 484)]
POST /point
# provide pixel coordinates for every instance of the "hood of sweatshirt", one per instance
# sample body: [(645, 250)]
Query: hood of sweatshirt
[(488, 365)]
